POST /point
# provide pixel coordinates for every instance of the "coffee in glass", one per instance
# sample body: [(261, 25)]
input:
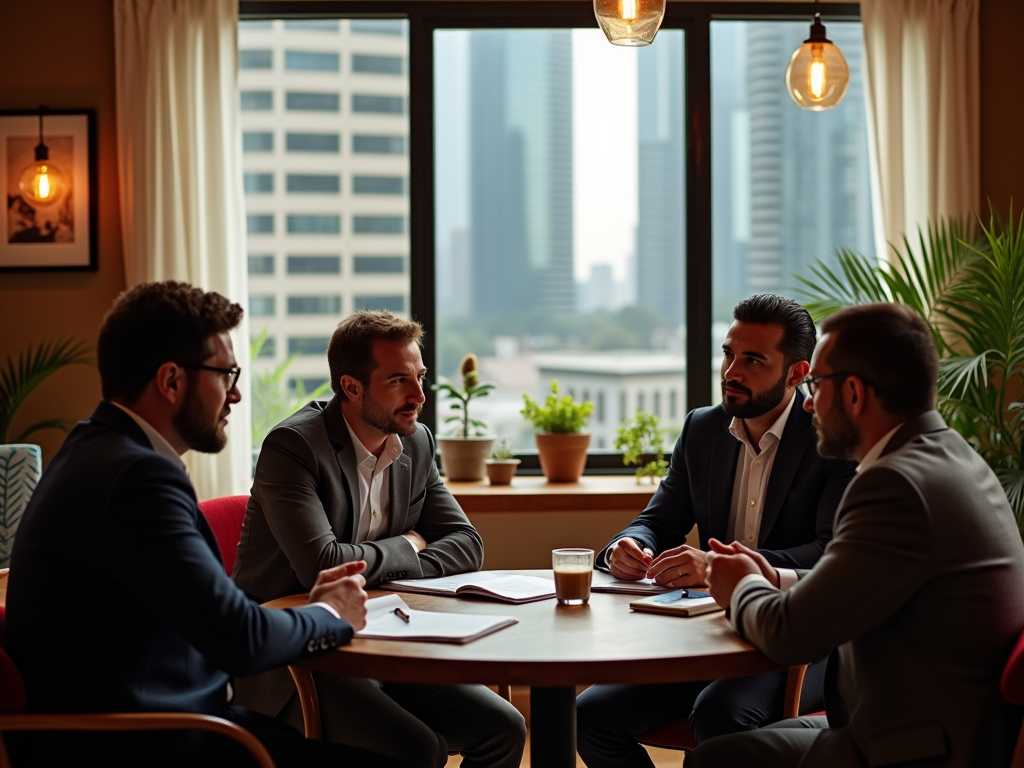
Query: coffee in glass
[(574, 569)]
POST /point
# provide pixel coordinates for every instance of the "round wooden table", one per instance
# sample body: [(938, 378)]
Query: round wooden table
[(553, 649)]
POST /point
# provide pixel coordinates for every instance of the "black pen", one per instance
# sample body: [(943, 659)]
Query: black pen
[(402, 615)]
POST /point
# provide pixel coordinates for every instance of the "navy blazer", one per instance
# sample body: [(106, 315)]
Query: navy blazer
[(118, 600), (803, 493)]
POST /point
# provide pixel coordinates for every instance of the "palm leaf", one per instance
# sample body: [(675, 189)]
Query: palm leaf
[(19, 378)]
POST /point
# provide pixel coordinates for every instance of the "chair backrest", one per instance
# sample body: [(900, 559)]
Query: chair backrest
[(1012, 683), (12, 687), (225, 516)]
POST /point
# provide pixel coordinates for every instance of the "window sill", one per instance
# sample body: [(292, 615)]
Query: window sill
[(535, 494)]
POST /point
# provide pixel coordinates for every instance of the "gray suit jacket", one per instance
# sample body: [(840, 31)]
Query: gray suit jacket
[(921, 591), (304, 508)]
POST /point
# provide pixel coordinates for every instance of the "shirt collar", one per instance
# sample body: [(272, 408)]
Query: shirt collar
[(392, 448), (737, 430), (876, 450), (158, 441)]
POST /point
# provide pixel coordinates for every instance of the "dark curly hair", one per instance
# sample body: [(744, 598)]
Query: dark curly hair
[(153, 324)]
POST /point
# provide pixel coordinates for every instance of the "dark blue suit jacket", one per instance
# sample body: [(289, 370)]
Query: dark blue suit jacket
[(803, 493), (118, 600)]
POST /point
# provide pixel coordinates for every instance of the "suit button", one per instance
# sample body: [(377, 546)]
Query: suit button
[(311, 646), (323, 644)]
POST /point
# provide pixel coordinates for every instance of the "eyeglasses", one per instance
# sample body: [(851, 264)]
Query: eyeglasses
[(812, 381), (230, 375)]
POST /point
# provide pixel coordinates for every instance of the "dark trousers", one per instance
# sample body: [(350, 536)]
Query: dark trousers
[(609, 716), (194, 749)]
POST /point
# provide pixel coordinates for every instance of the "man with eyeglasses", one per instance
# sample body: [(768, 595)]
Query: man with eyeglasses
[(743, 471), (355, 479), (118, 600), (921, 591)]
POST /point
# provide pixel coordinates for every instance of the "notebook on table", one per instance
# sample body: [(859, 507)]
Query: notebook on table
[(389, 618), (509, 588), (679, 602)]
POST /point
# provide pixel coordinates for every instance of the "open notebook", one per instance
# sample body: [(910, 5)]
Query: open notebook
[(507, 587), (382, 623)]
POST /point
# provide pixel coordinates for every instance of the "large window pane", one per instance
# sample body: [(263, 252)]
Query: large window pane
[(559, 199)]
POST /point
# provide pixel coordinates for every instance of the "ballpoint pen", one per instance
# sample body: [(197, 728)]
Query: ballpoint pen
[(402, 615)]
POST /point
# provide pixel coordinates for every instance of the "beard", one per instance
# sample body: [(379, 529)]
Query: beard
[(197, 427), (756, 405), (841, 438), (387, 422)]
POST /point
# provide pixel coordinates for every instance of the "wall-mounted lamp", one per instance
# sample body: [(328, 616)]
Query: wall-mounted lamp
[(42, 183), (817, 75), (629, 22)]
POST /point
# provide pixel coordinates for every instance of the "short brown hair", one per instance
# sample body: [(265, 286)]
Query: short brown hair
[(153, 324), (350, 352), (891, 347)]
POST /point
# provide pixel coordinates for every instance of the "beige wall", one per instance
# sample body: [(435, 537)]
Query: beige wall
[(75, 68)]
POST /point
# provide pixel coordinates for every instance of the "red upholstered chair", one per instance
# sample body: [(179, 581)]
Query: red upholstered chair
[(13, 701), (225, 516), (1012, 688)]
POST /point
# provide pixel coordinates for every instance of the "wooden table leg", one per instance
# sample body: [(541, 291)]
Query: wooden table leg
[(553, 727)]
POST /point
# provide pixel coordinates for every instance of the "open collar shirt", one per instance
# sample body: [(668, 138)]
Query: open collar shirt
[(374, 487)]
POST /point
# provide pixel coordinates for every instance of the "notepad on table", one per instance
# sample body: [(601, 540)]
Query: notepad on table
[(681, 602), (507, 587), (382, 623), (622, 587)]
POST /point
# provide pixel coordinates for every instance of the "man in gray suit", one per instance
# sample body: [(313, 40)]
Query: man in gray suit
[(921, 591), (356, 480)]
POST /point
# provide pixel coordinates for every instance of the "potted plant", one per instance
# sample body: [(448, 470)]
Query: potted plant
[(640, 439), (21, 463), (501, 467), (561, 442), (464, 452)]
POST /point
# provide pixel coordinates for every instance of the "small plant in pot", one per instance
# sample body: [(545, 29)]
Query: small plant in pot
[(501, 467), (464, 452), (641, 441), (561, 442)]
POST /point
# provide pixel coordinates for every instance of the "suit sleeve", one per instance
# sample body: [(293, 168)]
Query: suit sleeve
[(154, 547), (668, 517), (882, 553)]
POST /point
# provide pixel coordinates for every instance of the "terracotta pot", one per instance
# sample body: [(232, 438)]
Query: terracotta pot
[(501, 471), (462, 458), (562, 455)]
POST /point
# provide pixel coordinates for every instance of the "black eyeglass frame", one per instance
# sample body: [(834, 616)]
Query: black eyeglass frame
[(812, 381), (234, 373)]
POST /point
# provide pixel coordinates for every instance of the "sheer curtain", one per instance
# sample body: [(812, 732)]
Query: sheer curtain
[(182, 206), (923, 106)]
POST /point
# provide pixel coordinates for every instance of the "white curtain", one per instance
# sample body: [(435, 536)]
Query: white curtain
[(179, 160), (923, 108)]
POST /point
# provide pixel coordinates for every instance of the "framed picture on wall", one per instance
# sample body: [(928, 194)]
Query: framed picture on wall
[(48, 169)]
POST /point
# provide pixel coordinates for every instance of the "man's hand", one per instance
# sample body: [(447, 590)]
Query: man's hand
[(725, 572), (627, 561), (680, 567), (416, 540), (341, 588), (767, 569)]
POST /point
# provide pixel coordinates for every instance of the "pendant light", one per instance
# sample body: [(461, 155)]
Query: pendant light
[(817, 75), (42, 183), (629, 22)]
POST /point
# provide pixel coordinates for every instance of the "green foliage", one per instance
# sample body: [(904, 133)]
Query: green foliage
[(460, 397), (640, 438), (503, 450), (272, 401), (967, 281), (558, 414), (35, 365)]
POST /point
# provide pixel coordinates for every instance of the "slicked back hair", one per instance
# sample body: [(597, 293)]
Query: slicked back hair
[(798, 334), (891, 347), (350, 352), (153, 324)]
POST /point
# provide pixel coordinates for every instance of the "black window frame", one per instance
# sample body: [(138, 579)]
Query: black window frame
[(427, 16)]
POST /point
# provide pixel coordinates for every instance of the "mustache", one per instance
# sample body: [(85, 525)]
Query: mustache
[(726, 384)]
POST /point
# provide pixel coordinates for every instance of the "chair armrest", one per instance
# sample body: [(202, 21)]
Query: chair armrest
[(794, 686), (309, 701)]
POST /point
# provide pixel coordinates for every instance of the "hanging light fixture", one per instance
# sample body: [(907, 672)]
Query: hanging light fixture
[(629, 22), (817, 75), (42, 183)]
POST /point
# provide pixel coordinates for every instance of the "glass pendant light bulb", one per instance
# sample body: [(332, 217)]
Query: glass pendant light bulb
[(42, 183), (817, 76), (629, 22)]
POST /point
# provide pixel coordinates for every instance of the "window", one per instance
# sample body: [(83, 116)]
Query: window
[(268, 348), (312, 224), (311, 61), (379, 145), (250, 25), (261, 265), (259, 224), (378, 65), (312, 142), (312, 25), (314, 305), (378, 185), (308, 384), (308, 345), (390, 303), (258, 182), (307, 101), (378, 225), (314, 265), (257, 141), (378, 265), (315, 183), (377, 27), (262, 306), (383, 105), (256, 59), (255, 101)]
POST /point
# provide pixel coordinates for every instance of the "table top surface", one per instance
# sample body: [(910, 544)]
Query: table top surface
[(553, 645)]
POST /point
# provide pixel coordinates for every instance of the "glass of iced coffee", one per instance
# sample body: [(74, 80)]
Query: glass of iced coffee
[(574, 569)]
